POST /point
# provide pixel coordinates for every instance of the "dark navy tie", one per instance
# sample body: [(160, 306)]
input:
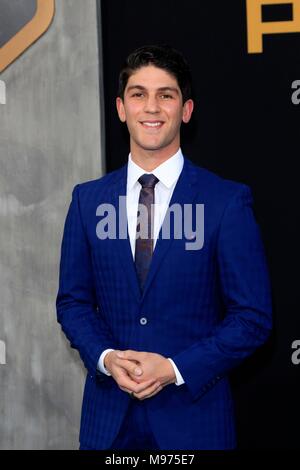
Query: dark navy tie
[(144, 238)]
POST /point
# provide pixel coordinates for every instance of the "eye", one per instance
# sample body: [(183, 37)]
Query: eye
[(137, 95), (166, 97)]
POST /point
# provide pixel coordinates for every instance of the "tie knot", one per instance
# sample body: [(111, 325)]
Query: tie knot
[(148, 180)]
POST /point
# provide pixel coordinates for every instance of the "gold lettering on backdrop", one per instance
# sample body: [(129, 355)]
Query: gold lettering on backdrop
[(257, 28), (28, 34)]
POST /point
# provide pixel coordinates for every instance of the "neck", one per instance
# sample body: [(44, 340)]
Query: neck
[(149, 159)]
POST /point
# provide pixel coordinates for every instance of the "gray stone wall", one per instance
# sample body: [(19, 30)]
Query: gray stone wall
[(49, 141)]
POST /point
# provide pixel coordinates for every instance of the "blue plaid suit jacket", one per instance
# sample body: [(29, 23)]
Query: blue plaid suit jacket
[(207, 309)]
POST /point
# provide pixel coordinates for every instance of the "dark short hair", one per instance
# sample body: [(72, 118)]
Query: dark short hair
[(163, 57)]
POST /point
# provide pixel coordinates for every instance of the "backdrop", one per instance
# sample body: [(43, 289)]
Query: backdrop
[(49, 141), (245, 127)]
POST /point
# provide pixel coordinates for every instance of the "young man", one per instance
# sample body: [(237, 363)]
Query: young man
[(160, 313)]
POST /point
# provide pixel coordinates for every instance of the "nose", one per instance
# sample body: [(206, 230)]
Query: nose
[(152, 105)]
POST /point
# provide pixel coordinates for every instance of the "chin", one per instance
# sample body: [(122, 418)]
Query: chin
[(153, 146)]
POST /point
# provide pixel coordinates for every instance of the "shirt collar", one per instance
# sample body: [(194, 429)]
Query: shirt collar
[(167, 173)]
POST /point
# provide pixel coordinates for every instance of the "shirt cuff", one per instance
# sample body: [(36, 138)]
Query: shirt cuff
[(179, 378), (100, 365)]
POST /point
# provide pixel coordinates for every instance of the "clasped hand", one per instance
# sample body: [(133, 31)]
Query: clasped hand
[(141, 374)]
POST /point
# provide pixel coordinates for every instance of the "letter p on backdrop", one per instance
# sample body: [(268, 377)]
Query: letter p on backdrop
[(29, 33), (257, 28)]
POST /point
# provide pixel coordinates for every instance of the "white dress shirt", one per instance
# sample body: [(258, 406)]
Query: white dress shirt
[(167, 173)]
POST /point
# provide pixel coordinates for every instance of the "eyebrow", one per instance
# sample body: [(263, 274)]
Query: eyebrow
[(142, 88)]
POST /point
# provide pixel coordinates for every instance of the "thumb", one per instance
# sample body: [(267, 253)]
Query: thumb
[(138, 371), (129, 355)]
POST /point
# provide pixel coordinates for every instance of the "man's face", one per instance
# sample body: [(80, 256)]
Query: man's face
[(153, 111)]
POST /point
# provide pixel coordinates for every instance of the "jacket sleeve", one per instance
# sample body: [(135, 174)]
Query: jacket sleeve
[(245, 290), (77, 308)]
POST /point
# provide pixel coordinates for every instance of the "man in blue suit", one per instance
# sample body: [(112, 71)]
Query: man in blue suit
[(163, 280)]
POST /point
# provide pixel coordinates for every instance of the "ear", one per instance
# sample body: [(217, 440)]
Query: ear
[(187, 111), (121, 109)]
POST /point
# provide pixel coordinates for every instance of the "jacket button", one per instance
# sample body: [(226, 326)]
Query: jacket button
[(143, 321)]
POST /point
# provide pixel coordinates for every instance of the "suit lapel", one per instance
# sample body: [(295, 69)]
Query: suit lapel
[(122, 245)]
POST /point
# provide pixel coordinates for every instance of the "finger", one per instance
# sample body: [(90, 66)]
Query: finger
[(121, 373), (123, 379), (137, 379), (126, 382), (130, 367), (132, 386), (149, 392), (129, 388), (138, 388), (129, 355), (125, 390), (159, 389)]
